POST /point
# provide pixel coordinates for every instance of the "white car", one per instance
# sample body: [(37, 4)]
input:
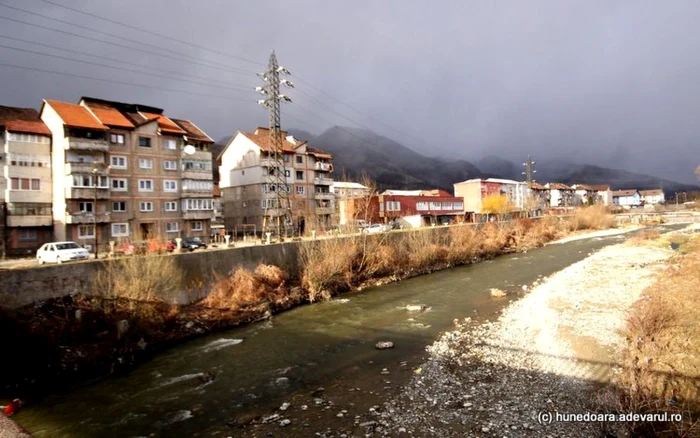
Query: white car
[(374, 228), (59, 252)]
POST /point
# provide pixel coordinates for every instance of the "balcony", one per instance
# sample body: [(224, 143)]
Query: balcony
[(84, 168), (29, 221), (86, 218), (200, 155), (197, 193), (323, 181), (323, 210), (86, 193), (324, 196), (198, 174), (197, 215), (86, 144), (324, 167)]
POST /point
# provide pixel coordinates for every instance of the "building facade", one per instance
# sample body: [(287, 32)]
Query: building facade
[(561, 195), (417, 208), (348, 200), (652, 197), (246, 191), (627, 198), (474, 191), (123, 172), (25, 182)]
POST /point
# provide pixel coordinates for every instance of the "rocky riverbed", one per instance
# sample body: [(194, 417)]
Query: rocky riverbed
[(549, 351)]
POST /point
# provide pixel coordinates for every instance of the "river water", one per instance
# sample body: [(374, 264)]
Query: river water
[(286, 359)]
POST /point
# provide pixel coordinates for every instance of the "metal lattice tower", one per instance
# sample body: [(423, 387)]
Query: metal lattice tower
[(529, 171), (277, 216)]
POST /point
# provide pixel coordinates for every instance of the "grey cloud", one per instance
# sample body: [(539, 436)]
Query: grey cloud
[(611, 83)]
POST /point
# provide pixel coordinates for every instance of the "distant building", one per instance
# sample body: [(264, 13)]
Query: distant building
[(539, 195), (603, 194), (245, 163), (416, 208), (25, 182), (627, 198), (584, 194), (349, 197), (652, 197), (474, 191), (561, 195)]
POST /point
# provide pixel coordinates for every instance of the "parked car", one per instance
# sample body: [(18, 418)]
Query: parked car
[(59, 252), (193, 243), (374, 228)]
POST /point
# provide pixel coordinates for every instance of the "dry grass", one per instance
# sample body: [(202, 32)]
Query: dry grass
[(644, 237), (327, 266), (662, 355), (140, 278), (242, 288), (595, 217)]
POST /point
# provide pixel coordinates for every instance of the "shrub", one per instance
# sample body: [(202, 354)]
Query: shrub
[(327, 266), (595, 217), (463, 245), (139, 278), (242, 288)]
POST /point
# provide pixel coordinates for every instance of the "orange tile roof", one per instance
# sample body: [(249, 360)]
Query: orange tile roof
[(193, 131), (24, 120), (164, 123), (318, 153), (263, 142), (110, 116), (559, 186), (76, 116)]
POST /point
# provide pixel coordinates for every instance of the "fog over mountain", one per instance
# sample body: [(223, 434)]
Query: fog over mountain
[(612, 84)]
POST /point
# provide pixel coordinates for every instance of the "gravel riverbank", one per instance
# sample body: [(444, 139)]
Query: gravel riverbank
[(547, 352)]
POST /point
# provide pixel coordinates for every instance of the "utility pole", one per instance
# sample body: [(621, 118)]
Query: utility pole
[(529, 171), (279, 212)]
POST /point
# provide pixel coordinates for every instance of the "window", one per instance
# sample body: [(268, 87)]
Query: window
[(119, 184), (27, 235), (197, 185), (299, 190), (197, 226), (145, 163), (145, 142), (196, 165), (170, 186), (119, 206), (170, 206), (85, 207), (146, 206), (120, 229), (170, 165), (300, 159), (300, 174), (29, 209), (27, 138), (145, 185), (458, 206), (287, 173), (29, 160), (116, 138), (25, 184), (435, 205), (200, 204), (285, 158), (172, 227), (118, 162), (447, 206), (422, 206), (86, 231), (170, 144), (270, 203), (87, 181), (393, 206)]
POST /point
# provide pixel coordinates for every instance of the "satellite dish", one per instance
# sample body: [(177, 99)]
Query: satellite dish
[(189, 149)]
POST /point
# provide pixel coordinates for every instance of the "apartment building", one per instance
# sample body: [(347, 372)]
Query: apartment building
[(25, 182), (127, 171), (474, 191), (245, 166)]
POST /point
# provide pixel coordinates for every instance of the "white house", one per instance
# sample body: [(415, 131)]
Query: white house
[(560, 195), (652, 197), (627, 198)]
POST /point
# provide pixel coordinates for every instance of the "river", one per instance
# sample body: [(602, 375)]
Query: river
[(286, 359)]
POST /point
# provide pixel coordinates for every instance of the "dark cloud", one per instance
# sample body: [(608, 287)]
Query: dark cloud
[(611, 83)]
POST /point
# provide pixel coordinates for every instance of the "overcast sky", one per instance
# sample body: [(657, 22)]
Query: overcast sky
[(615, 83)]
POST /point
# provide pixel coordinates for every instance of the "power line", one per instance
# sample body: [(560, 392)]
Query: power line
[(107, 58), (218, 96), (80, 26), (150, 52), (150, 32), (239, 89)]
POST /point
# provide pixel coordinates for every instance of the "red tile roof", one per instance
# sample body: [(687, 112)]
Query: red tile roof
[(601, 188), (624, 192), (165, 124), (109, 116), (537, 186), (24, 120), (651, 192), (559, 186), (318, 153), (76, 116), (263, 142), (193, 131)]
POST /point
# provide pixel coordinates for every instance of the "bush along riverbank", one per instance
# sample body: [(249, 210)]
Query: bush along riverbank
[(72, 339)]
